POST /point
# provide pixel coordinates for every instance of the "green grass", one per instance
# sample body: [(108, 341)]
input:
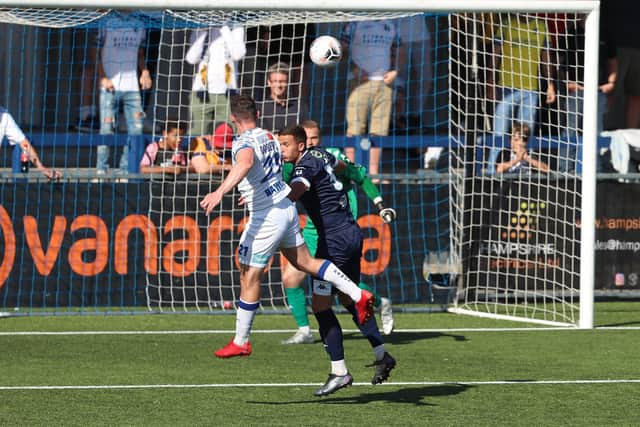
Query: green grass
[(446, 370)]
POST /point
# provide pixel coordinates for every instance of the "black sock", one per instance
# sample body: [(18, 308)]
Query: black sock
[(369, 329), (331, 334)]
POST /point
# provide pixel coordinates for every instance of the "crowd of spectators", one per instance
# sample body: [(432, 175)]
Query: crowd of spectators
[(527, 68), (532, 70)]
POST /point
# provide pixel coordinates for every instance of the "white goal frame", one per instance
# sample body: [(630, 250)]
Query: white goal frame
[(588, 7)]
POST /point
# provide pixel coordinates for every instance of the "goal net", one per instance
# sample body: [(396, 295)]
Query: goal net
[(119, 232), (517, 117)]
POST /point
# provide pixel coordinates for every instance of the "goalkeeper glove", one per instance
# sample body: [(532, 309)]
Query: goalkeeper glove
[(388, 215)]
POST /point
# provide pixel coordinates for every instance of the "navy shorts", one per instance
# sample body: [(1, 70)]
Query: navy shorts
[(344, 249)]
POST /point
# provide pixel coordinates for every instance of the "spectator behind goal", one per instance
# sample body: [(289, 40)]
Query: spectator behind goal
[(518, 159), (212, 153), (165, 156), (123, 73), (12, 131), (280, 109)]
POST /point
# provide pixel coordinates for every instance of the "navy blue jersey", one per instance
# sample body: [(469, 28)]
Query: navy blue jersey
[(326, 202)]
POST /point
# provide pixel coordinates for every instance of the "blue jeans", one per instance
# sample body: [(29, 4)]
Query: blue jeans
[(574, 106), (515, 105), (110, 103)]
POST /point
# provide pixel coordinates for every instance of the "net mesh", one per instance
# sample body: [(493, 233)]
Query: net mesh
[(63, 18), (518, 134), (253, 17), (127, 238), (50, 18), (124, 238)]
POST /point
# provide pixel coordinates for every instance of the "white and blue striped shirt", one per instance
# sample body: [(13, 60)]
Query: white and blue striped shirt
[(263, 186)]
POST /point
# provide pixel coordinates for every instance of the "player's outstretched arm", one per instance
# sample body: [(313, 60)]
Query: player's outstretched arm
[(388, 215), (244, 162), (358, 174)]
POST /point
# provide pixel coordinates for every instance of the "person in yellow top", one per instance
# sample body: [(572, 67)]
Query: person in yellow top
[(209, 153), (521, 53)]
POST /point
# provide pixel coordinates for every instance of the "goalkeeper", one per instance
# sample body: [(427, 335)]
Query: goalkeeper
[(292, 278)]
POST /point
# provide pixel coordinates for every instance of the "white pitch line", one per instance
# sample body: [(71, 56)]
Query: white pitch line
[(283, 331), (271, 385), (19, 333)]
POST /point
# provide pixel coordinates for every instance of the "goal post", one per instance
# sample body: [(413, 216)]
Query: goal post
[(466, 202), (587, 247)]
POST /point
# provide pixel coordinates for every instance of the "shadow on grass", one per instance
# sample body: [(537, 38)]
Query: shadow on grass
[(408, 337), (610, 325), (410, 396)]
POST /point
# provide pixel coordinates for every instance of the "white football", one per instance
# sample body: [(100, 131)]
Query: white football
[(325, 51)]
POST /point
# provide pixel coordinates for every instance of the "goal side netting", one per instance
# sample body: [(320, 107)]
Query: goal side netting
[(520, 90)]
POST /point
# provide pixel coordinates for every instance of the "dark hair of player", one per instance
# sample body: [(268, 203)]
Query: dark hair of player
[(243, 107), (298, 133)]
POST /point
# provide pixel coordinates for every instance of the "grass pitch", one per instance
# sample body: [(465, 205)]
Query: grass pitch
[(159, 370)]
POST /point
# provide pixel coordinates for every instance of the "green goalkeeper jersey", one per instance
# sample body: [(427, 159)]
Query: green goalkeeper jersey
[(353, 173)]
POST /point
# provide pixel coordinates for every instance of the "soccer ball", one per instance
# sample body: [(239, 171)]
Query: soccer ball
[(325, 51)]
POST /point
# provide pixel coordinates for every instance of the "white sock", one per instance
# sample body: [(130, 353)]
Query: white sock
[(378, 352), (339, 367), (244, 320), (331, 273), (305, 329)]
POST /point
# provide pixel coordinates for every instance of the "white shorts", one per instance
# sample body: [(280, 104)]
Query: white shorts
[(267, 231)]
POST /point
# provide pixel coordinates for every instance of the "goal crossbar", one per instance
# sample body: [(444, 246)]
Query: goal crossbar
[(324, 5)]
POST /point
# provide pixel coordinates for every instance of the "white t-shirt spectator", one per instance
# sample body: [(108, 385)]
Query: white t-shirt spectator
[(9, 128), (413, 29), (118, 44), (414, 33), (224, 47), (370, 45)]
